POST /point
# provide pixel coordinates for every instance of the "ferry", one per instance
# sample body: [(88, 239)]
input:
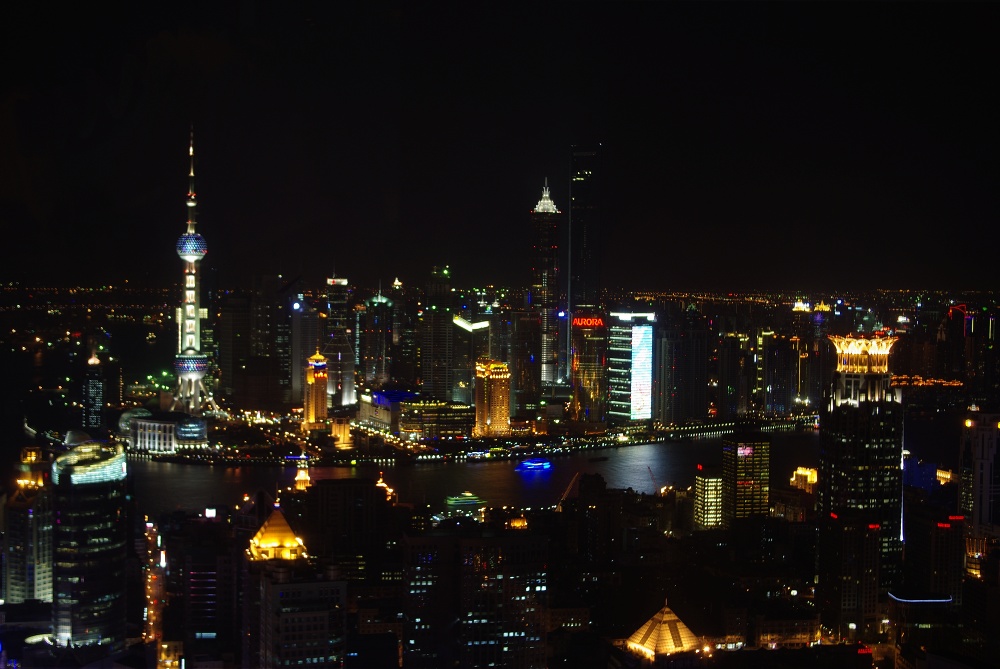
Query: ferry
[(533, 465)]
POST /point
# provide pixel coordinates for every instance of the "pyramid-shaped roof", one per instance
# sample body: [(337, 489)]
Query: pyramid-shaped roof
[(662, 634), (276, 540)]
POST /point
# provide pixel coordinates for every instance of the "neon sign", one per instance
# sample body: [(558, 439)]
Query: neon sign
[(588, 322)]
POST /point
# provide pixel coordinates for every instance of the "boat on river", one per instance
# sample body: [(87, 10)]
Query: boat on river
[(533, 465)]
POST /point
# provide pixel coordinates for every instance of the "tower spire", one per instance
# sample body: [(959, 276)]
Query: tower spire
[(192, 200)]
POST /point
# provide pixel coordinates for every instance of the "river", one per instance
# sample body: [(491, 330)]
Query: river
[(162, 486)]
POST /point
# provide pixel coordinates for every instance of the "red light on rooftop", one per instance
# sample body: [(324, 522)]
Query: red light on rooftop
[(700, 467), (833, 515)]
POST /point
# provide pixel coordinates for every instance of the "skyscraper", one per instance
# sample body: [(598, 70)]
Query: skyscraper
[(860, 484), (492, 399), (93, 397), (979, 485), (746, 477), (682, 368), (584, 246), (707, 498), (546, 223), (630, 367), (437, 331), (314, 411), (588, 364), (27, 541), (190, 364), (90, 543)]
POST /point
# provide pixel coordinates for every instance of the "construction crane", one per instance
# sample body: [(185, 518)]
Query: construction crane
[(656, 488), (559, 504)]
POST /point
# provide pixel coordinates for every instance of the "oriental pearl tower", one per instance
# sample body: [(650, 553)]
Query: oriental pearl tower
[(190, 364)]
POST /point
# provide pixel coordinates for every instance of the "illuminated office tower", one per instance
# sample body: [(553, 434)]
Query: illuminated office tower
[(314, 395), (588, 362), (190, 364), (304, 332), (546, 223), (471, 342), (585, 241), (90, 534), (375, 325), (707, 498), (337, 327), (93, 397), (860, 484), (979, 486), (780, 358), (492, 399), (630, 367), (27, 540), (746, 477)]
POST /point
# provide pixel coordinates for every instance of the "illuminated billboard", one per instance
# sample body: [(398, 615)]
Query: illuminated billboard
[(642, 372)]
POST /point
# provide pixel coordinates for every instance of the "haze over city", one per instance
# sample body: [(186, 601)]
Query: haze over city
[(747, 145)]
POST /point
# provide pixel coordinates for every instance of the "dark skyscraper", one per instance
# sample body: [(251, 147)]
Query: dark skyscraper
[(584, 246), (437, 336)]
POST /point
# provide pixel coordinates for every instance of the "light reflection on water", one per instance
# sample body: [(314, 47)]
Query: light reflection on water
[(163, 487)]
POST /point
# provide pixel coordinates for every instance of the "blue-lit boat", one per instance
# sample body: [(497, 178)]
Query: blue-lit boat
[(533, 465)]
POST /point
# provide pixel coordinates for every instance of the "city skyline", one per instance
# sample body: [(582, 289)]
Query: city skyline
[(748, 146)]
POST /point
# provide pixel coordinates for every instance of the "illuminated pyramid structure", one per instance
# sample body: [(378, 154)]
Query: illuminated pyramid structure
[(663, 634), (275, 540)]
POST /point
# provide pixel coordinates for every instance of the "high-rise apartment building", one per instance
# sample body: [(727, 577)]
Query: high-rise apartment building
[(546, 223), (630, 367), (860, 494), (492, 399), (746, 477), (27, 539), (90, 534)]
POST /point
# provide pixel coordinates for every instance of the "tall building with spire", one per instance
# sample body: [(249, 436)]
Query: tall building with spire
[(314, 396), (546, 223), (190, 364)]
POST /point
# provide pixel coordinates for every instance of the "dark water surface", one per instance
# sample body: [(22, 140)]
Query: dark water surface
[(162, 486)]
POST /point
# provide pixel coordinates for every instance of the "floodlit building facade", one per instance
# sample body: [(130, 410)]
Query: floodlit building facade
[(492, 399)]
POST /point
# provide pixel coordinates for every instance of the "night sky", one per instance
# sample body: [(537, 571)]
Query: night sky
[(748, 146)]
